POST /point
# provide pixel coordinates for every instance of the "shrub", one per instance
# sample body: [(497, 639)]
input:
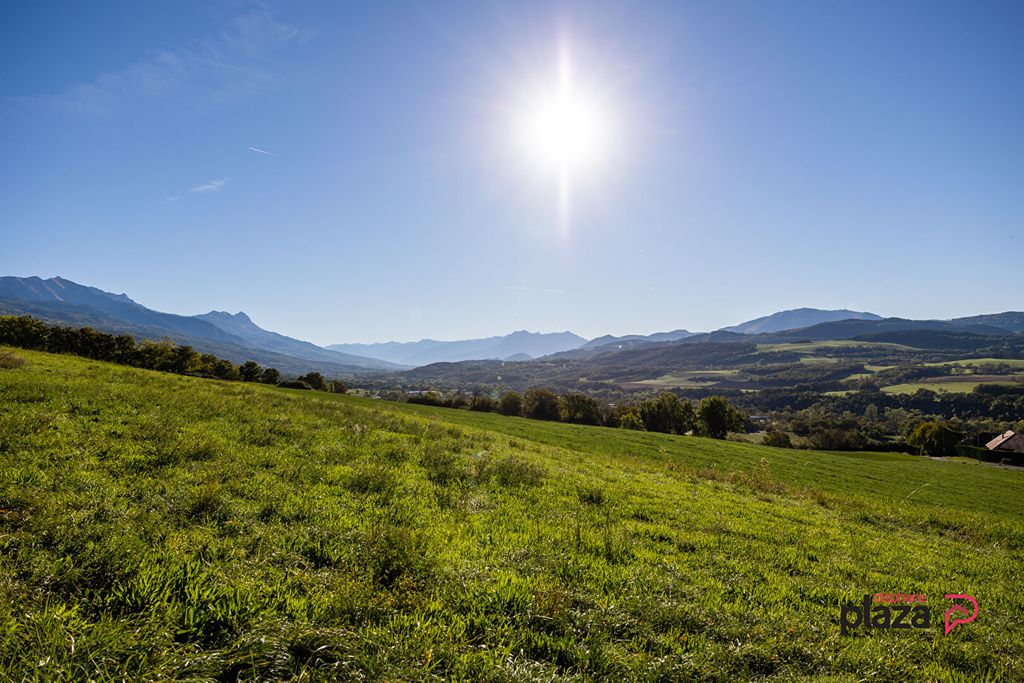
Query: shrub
[(9, 361), (632, 421), (293, 384), (483, 403), (777, 439), (443, 466), (511, 403), (314, 380), (591, 495)]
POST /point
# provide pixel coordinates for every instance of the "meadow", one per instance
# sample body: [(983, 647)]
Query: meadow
[(159, 526)]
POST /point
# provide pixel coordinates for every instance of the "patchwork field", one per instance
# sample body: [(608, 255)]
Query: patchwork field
[(159, 526), (956, 383)]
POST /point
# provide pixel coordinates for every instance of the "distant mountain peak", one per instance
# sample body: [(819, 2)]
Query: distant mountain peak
[(797, 318), (241, 316)]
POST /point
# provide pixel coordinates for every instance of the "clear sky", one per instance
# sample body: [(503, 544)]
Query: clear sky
[(347, 171)]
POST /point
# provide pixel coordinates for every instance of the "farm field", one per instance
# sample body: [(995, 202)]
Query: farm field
[(976, 362), (814, 347), (954, 383), (160, 526), (691, 379)]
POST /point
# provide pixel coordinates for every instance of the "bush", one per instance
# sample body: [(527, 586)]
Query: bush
[(511, 403), (443, 466), (483, 403), (838, 440), (632, 421), (777, 439), (293, 384), (9, 361), (314, 380)]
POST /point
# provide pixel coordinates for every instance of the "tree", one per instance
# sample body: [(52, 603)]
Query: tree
[(580, 409), (511, 403), (313, 379), (631, 420), (540, 404), (482, 403), (716, 417), (338, 387), (935, 438), (250, 371), (270, 376), (666, 413)]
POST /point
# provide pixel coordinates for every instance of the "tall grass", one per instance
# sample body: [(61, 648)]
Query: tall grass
[(156, 526)]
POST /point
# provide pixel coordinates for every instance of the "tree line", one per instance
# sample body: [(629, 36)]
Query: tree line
[(713, 416), (28, 333)]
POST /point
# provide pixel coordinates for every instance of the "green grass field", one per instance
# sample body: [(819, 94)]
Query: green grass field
[(814, 347), (156, 526), (686, 379), (975, 362), (953, 383)]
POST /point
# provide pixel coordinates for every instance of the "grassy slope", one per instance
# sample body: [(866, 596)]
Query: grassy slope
[(159, 525)]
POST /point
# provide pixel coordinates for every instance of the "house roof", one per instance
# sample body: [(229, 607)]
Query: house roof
[(1000, 440)]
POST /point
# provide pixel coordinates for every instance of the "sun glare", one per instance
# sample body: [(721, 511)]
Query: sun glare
[(566, 130)]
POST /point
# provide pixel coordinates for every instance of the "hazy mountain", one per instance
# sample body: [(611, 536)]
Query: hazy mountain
[(234, 337), (240, 325), (796, 319), (674, 335), (1012, 321), (427, 351), (853, 328)]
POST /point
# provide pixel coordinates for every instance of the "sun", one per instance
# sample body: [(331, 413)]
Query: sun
[(566, 129)]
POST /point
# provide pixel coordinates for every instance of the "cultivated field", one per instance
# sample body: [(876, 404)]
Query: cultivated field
[(159, 526)]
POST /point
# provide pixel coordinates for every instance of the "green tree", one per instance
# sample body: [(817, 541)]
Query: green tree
[(631, 420), (511, 403), (250, 371), (270, 376), (716, 417), (579, 408), (540, 404), (935, 438), (313, 379), (666, 413), (482, 403)]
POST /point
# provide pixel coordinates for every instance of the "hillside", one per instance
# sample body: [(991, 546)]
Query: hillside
[(235, 337), (795, 319), (156, 526)]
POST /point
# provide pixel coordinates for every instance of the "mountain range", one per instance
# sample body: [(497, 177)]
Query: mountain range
[(236, 337), (521, 345)]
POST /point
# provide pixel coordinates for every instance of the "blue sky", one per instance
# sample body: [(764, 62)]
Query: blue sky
[(766, 156)]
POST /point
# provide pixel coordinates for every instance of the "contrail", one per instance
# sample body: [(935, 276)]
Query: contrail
[(263, 151)]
